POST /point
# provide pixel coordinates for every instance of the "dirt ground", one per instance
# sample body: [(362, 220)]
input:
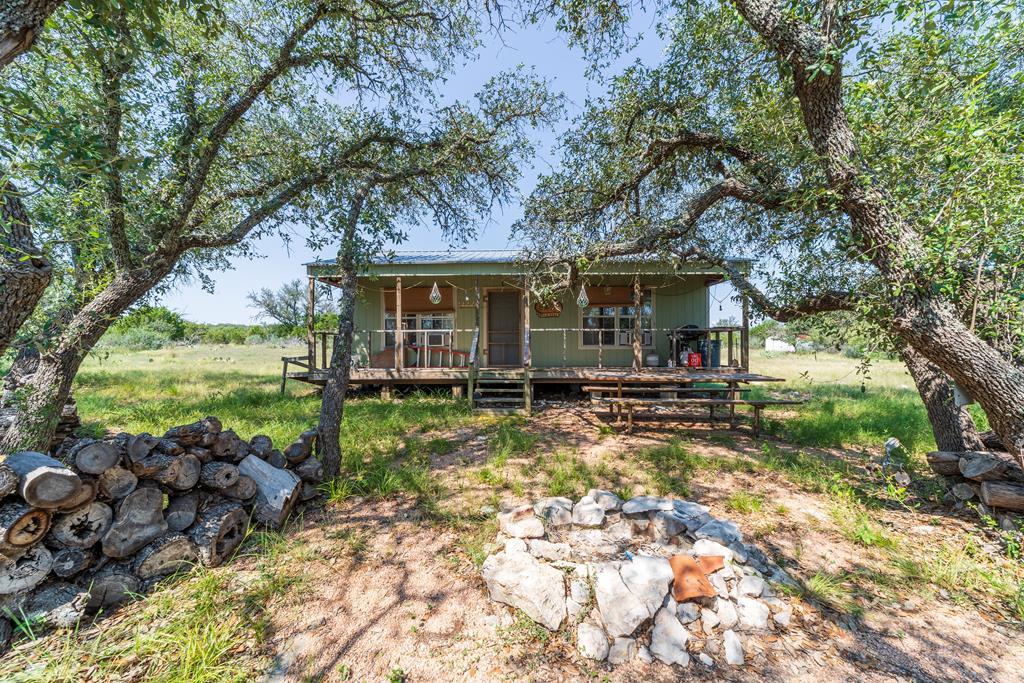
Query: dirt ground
[(391, 593)]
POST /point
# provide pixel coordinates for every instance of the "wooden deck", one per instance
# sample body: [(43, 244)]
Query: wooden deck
[(559, 375)]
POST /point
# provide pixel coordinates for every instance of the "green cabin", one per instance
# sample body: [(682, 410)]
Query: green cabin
[(467, 316)]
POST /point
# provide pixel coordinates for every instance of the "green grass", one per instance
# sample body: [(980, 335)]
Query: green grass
[(566, 475), (745, 503), (510, 439)]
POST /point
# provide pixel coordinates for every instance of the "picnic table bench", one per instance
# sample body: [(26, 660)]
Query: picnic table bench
[(630, 404)]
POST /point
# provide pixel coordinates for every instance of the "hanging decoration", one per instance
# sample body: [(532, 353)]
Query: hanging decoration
[(583, 300), (435, 294)]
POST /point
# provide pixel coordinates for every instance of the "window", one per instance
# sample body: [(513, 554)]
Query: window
[(613, 325), (421, 329)]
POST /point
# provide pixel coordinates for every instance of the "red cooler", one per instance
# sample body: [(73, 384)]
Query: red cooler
[(693, 360)]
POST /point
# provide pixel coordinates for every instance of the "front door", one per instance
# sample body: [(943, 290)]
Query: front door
[(503, 329)]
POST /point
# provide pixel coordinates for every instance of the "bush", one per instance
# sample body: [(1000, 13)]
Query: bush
[(158, 319), (137, 339)]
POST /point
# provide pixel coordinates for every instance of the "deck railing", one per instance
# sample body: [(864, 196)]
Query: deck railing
[(438, 348)]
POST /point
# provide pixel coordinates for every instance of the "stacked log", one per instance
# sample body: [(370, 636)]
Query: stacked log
[(107, 518), (993, 476)]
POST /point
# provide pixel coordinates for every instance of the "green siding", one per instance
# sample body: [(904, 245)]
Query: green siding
[(678, 301)]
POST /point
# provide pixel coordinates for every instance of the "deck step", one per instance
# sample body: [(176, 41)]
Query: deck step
[(502, 390), (497, 399)]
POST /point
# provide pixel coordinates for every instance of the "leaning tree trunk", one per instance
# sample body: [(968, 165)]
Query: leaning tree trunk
[(921, 318), (24, 273), (332, 406), (20, 23), (952, 426), (42, 399)]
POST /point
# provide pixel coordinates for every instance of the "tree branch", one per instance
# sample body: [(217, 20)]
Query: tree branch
[(113, 74)]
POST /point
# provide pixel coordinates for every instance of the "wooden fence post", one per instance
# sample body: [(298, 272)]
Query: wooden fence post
[(311, 323), (399, 336)]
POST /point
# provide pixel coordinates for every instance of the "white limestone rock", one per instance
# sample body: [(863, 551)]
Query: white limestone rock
[(620, 531), (733, 649), (587, 513), (632, 593), (520, 522), (708, 620), (622, 651), (606, 499), (753, 614), (644, 655), (668, 638), (726, 611), (646, 504), (515, 545), (721, 530), (555, 511), (591, 641), (752, 586), (688, 612), (666, 524), (705, 546), (547, 550), (519, 580), (720, 585), (579, 592), (706, 660)]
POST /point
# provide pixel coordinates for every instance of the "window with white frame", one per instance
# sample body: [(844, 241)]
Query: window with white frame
[(421, 329), (613, 325)]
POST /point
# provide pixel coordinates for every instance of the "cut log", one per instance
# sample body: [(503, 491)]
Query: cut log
[(84, 527), (982, 466), (169, 447), (139, 520), (109, 585), (8, 480), (204, 454), (276, 459), (229, 446), (117, 482), (992, 441), (244, 489), (297, 452), (22, 525), (1000, 494), (278, 490), (25, 572), (57, 605), (6, 633), (181, 511), (70, 562), (187, 435), (181, 474), (86, 495), (309, 491), (261, 445), (140, 446), (944, 462), (218, 530), (42, 481), (218, 475), (95, 457), (310, 470), (171, 553), (308, 437)]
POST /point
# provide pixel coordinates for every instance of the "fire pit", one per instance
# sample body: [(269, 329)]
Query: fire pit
[(613, 570)]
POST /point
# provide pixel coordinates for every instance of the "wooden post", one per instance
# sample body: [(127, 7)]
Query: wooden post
[(638, 301), (399, 336), (474, 344), (311, 323), (527, 391), (745, 335)]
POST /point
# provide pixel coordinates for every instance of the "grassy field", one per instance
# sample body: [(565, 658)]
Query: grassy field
[(151, 390)]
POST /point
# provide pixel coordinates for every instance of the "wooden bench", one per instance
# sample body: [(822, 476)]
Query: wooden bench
[(631, 404)]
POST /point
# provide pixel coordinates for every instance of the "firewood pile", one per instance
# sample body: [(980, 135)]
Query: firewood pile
[(107, 518), (995, 477)]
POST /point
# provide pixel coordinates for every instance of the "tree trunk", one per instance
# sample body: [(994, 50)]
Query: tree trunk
[(24, 273), (332, 406), (952, 426), (46, 391), (920, 317), (20, 23)]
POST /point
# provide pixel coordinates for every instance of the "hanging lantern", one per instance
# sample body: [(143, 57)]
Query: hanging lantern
[(583, 300), (435, 294)]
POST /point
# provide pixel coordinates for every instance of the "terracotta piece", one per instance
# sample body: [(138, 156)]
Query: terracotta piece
[(691, 576)]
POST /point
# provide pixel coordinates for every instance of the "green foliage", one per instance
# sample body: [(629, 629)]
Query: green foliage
[(744, 502)]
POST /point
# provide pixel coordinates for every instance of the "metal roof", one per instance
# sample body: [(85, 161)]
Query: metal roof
[(427, 257)]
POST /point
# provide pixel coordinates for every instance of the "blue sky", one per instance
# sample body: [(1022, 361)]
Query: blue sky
[(541, 48)]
